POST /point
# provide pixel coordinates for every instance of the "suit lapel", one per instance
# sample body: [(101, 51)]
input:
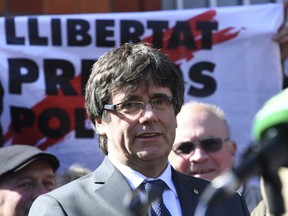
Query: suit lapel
[(104, 171), (114, 186)]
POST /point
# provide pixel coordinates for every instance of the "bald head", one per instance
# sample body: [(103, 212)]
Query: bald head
[(203, 120), (207, 123)]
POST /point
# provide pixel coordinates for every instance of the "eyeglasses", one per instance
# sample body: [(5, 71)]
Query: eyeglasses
[(134, 107), (208, 145)]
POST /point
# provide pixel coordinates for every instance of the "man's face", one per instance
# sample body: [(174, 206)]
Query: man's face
[(197, 125), (144, 136), (18, 190)]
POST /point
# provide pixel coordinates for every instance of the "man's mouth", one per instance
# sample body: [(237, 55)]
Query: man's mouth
[(148, 135), (201, 172)]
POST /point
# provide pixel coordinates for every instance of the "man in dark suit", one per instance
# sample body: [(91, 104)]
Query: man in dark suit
[(132, 98), (203, 146)]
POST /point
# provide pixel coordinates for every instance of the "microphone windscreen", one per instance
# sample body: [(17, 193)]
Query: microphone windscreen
[(273, 113)]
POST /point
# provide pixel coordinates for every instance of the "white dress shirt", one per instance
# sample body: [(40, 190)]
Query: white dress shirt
[(135, 178)]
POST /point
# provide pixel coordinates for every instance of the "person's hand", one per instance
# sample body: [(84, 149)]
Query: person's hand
[(282, 38)]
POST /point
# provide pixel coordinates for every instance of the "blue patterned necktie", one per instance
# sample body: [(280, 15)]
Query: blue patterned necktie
[(158, 207)]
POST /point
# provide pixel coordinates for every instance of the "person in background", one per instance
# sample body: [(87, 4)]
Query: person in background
[(75, 171), (132, 97), (262, 208), (1, 110), (281, 37), (270, 128), (203, 147), (25, 173)]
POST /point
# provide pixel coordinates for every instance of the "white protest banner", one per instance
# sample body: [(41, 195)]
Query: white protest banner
[(226, 56)]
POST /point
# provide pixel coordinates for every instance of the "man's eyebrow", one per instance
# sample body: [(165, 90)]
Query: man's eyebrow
[(23, 178), (178, 144), (131, 97), (29, 176), (136, 97), (50, 176), (184, 143), (160, 95)]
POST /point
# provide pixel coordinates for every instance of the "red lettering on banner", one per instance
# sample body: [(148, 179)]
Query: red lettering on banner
[(65, 106), (181, 52), (49, 121)]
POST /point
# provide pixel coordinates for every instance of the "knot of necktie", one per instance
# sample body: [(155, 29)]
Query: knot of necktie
[(158, 185), (158, 207)]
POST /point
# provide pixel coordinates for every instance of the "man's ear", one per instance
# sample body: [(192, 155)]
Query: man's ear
[(233, 147), (100, 126)]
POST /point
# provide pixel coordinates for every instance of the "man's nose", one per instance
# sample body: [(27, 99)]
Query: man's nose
[(148, 113), (198, 155)]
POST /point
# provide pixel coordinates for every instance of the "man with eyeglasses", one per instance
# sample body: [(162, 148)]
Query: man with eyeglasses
[(203, 148), (132, 98)]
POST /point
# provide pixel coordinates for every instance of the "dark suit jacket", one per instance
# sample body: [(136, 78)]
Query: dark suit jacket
[(102, 193)]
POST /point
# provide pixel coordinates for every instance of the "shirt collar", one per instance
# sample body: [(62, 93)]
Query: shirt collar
[(135, 178)]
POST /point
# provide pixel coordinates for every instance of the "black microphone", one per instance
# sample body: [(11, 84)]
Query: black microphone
[(139, 201), (264, 157)]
